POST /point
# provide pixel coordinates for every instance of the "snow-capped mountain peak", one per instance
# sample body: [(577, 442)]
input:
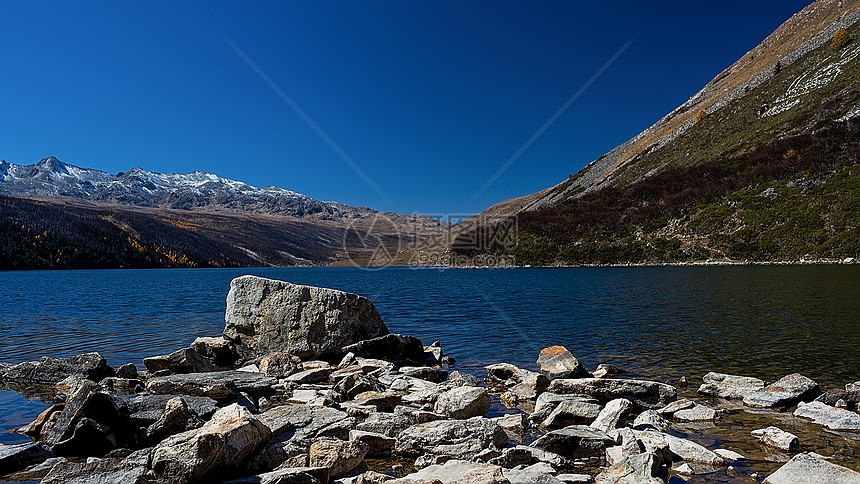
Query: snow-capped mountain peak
[(137, 186)]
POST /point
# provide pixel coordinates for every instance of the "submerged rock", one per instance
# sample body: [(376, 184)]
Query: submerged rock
[(729, 386), (643, 394), (778, 438), (264, 316), (784, 392), (830, 417), (808, 469), (697, 413)]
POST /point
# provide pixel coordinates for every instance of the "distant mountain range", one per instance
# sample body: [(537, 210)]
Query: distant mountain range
[(58, 215), (760, 165), (51, 177)]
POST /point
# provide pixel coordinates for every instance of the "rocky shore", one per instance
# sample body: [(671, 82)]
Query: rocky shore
[(307, 385)]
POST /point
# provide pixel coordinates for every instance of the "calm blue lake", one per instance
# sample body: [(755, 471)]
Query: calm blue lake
[(662, 322)]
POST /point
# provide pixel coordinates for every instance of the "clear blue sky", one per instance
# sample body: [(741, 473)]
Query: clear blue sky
[(428, 98)]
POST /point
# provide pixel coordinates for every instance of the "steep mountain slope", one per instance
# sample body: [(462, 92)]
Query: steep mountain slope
[(759, 165), (57, 215)]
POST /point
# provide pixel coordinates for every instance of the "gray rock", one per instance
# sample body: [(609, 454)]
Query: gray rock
[(606, 371), (628, 445), (91, 424), (223, 443), (463, 379), (729, 386), (38, 471), (531, 385), (463, 402), (304, 424), (808, 469), (49, 371), (572, 411), (830, 417), (177, 417), (122, 386), (729, 456), (849, 399), (376, 443), (456, 438), (557, 362), (575, 478), (381, 401), (146, 409), (650, 419), (98, 471), (217, 349), (279, 364), (575, 441), (504, 373), (513, 424), (127, 370), (456, 472), (778, 438), (540, 473), (290, 475), (397, 348), (643, 394), (698, 413), (676, 406), (14, 458), (313, 375), (338, 456), (784, 392), (579, 407), (636, 469), (681, 448), (611, 414), (392, 425), (351, 385), (184, 360), (429, 373), (853, 387), (216, 384), (264, 316)]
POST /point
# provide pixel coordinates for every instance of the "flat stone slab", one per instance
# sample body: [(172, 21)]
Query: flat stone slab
[(49, 371), (806, 469), (729, 386), (644, 394), (216, 384), (575, 441), (145, 409), (784, 392), (683, 448), (14, 458), (830, 417)]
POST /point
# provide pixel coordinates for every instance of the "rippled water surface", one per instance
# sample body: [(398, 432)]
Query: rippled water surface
[(653, 321)]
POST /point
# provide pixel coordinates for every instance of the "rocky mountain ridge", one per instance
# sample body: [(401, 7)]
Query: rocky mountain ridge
[(197, 190)]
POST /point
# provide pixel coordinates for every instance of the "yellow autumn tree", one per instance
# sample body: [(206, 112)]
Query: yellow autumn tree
[(700, 116), (840, 38)]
